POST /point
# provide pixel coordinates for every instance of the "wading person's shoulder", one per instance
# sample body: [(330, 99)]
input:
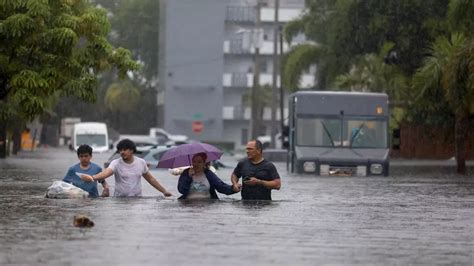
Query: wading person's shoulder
[(138, 159), (268, 163), (95, 166)]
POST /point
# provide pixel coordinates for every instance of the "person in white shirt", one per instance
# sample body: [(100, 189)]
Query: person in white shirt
[(128, 170)]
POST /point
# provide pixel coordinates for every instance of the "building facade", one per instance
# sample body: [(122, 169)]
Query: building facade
[(207, 57)]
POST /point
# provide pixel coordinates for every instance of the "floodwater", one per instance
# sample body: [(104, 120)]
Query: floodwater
[(417, 216)]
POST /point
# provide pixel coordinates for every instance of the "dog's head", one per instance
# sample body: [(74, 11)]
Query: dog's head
[(81, 220)]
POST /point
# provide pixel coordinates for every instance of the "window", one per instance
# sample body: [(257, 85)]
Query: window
[(91, 139), (356, 132)]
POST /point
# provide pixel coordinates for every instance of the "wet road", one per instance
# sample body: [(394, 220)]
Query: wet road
[(417, 216)]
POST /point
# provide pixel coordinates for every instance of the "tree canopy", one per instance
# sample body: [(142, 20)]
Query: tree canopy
[(50, 49), (53, 48), (349, 29), (133, 24)]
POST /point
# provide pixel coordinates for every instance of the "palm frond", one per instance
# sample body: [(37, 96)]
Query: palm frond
[(300, 58)]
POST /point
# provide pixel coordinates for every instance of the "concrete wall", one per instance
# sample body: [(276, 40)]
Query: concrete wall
[(191, 66), (195, 66)]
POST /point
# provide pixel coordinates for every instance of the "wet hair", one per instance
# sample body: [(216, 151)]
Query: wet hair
[(258, 144), (83, 149), (82, 221), (204, 158), (126, 144), (202, 155)]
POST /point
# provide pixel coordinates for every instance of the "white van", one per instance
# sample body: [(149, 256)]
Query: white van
[(93, 134)]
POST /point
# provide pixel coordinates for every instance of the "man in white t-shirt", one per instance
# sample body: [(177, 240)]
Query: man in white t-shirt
[(128, 170)]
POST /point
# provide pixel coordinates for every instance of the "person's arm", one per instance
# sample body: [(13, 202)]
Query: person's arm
[(272, 184), (234, 178), (219, 185), (154, 183), (102, 175), (184, 183), (69, 176), (275, 183), (105, 186), (105, 191), (235, 182)]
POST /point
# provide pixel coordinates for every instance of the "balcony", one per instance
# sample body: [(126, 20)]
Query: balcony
[(239, 112), (236, 46), (248, 14), (239, 80), (246, 80), (267, 14), (245, 14)]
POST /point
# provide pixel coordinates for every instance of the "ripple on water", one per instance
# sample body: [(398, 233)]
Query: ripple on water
[(415, 216)]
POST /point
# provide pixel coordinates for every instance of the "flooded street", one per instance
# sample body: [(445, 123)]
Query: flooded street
[(418, 215)]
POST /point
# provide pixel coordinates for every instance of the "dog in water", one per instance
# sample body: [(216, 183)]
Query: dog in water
[(81, 220)]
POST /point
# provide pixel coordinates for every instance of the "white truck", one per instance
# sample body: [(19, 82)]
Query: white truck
[(165, 138), (93, 134)]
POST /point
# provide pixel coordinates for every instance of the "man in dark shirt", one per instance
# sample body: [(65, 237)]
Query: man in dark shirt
[(259, 175)]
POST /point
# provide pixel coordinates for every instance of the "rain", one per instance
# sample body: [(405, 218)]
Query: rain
[(355, 116)]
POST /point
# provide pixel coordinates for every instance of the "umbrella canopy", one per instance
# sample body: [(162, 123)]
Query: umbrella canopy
[(182, 155)]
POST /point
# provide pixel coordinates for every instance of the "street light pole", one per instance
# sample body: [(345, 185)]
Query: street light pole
[(282, 94), (254, 125), (274, 77)]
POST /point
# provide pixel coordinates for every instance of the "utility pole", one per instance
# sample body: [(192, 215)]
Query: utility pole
[(282, 94), (275, 75), (254, 123)]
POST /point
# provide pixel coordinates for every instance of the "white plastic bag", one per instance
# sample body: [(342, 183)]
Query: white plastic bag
[(180, 170), (63, 190)]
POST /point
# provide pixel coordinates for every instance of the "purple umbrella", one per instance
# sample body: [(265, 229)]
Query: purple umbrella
[(182, 155)]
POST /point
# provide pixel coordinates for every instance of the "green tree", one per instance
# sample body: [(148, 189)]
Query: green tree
[(52, 48), (135, 25), (448, 74), (349, 29), (121, 99), (371, 73), (263, 100), (299, 59), (458, 80), (445, 71)]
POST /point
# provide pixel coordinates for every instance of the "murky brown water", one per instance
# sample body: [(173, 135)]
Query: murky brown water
[(418, 215)]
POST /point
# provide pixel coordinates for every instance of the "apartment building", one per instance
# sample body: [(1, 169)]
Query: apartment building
[(207, 52)]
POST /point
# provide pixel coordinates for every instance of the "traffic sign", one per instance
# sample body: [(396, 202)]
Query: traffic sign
[(197, 126)]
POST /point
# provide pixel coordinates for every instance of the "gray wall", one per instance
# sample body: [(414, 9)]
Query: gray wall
[(191, 66)]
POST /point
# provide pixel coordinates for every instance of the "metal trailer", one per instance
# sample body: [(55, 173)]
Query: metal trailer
[(334, 133)]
